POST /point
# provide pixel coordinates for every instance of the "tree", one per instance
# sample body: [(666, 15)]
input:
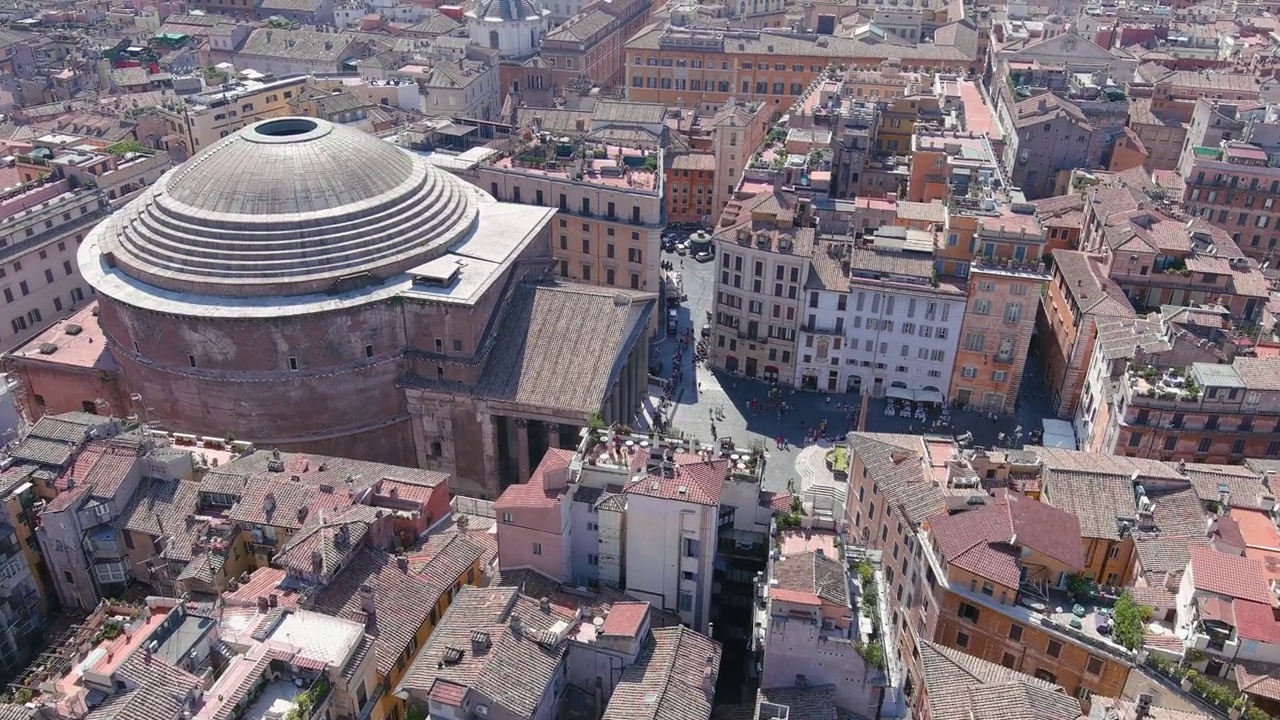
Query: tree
[(1128, 618)]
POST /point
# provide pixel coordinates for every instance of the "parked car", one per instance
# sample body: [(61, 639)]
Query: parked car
[(704, 256), (682, 248)]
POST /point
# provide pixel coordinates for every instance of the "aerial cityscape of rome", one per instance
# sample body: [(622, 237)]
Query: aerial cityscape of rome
[(639, 359)]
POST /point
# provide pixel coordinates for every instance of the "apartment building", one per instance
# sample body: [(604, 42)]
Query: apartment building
[(711, 67), (764, 250), (120, 171), (852, 114), (1213, 121), (812, 621), (628, 653), (691, 188), (878, 320), (77, 530), (1206, 412), (951, 575), (1080, 297), (202, 119), (1163, 136), (1048, 136), (1159, 259), (589, 44), (585, 511), (1234, 186), (996, 332), (610, 200), (957, 686), (41, 226)]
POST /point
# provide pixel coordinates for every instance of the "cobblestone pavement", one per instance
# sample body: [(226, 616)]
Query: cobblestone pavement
[(702, 392)]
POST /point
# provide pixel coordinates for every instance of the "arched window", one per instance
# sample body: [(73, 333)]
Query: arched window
[(493, 39)]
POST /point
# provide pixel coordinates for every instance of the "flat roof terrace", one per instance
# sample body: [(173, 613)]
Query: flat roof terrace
[(611, 165)]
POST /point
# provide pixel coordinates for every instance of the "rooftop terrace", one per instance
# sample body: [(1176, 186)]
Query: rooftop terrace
[(597, 164)]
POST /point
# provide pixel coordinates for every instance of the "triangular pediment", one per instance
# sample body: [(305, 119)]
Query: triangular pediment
[(1061, 47)]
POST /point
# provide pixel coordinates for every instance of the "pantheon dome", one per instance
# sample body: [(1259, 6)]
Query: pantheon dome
[(289, 206)]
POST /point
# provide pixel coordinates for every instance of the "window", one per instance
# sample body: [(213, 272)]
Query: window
[(968, 612), (1205, 444), (969, 372), (293, 363), (1046, 676), (1015, 632), (537, 548), (1008, 660), (191, 360), (1093, 666), (1054, 649), (362, 696), (962, 639), (506, 518), (48, 275), (686, 601), (692, 547), (368, 351)]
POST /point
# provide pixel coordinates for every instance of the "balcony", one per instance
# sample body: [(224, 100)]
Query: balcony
[(822, 329)]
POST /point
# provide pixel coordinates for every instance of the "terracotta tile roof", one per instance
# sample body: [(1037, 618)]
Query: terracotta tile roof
[(477, 646), (813, 575), (567, 601), (1095, 499), (542, 320), (546, 486), (165, 507), (321, 547), (1246, 486), (962, 687), (625, 619), (1256, 621), (816, 702), (1260, 679), (669, 679), (1086, 281), (1229, 575), (152, 689), (323, 483), (896, 463), (984, 541), (263, 582), (1061, 459), (694, 481), (402, 602)]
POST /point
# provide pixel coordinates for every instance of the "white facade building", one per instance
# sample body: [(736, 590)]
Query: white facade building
[(513, 27), (875, 320), (674, 571)]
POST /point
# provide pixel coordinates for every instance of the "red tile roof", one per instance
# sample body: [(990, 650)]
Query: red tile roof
[(983, 541), (625, 619), (1256, 621), (1229, 575), (263, 582), (535, 493), (698, 482)]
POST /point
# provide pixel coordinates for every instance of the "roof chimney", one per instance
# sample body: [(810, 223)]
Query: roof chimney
[(517, 627), (544, 604), (1142, 708), (402, 562), (367, 605)]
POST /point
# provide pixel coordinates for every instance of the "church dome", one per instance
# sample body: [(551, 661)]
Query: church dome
[(287, 206)]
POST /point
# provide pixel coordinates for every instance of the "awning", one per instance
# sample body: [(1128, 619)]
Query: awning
[(900, 393), (455, 130), (930, 396)]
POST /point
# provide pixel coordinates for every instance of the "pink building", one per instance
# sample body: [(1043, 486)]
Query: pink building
[(533, 529)]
